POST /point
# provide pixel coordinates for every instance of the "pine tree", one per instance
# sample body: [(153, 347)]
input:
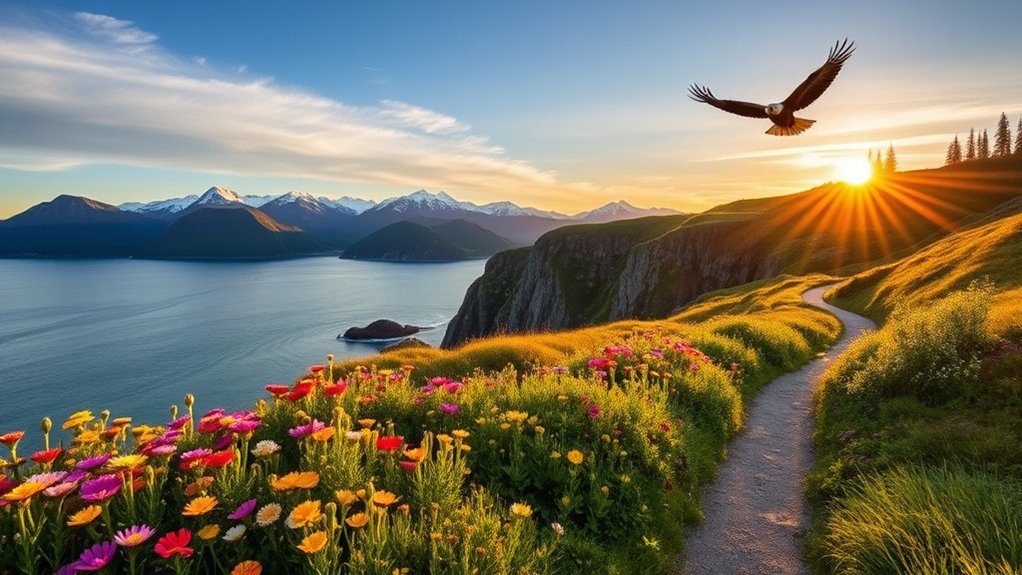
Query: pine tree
[(1002, 137), (1018, 138), (891, 161), (954, 152), (878, 163), (983, 147), (970, 149)]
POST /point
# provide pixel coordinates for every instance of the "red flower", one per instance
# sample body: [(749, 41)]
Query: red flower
[(316, 368), (46, 456), (11, 437), (302, 388), (390, 443), (219, 458), (664, 426), (277, 390), (174, 543), (336, 389), (209, 425)]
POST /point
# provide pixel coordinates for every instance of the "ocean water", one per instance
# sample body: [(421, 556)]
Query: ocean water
[(134, 336)]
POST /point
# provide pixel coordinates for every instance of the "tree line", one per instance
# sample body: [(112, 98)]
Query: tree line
[(977, 147), (883, 162)]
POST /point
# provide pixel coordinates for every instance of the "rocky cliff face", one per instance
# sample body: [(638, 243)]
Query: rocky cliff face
[(588, 274)]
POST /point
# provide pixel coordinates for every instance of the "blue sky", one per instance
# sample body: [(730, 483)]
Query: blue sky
[(559, 105)]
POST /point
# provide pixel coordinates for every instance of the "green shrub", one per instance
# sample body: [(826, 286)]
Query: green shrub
[(932, 353), (928, 521), (780, 345)]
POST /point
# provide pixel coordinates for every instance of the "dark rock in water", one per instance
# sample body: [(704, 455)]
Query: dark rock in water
[(381, 329), (404, 344)]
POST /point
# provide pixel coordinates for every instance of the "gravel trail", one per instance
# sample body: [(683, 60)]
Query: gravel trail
[(756, 512)]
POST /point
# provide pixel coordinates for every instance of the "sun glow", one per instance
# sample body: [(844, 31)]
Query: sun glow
[(853, 170)]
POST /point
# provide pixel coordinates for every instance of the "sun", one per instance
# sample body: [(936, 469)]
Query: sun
[(853, 170)]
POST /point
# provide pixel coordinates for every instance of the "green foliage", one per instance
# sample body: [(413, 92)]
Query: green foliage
[(927, 520), (780, 345), (932, 354)]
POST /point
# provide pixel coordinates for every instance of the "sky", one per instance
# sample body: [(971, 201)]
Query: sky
[(561, 105)]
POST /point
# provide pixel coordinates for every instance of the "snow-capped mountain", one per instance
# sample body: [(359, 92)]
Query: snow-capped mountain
[(621, 210), (160, 207), (510, 209), (257, 201), (357, 205), (302, 199), (217, 196), (424, 201)]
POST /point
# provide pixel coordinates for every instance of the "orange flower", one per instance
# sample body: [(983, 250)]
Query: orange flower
[(366, 422), (384, 499), (208, 532), (247, 568), (417, 454), (314, 542), (296, 480), (198, 486), (304, 514), (346, 497), (357, 521), (25, 491), (84, 516), (323, 434), (199, 506)]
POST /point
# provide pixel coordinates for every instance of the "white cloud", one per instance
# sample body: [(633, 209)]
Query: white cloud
[(97, 102), (117, 31)]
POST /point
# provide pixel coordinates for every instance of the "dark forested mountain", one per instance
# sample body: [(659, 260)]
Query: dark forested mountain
[(411, 241), (242, 232)]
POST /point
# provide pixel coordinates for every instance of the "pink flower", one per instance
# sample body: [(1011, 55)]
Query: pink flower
[(453, 386), (450, 408), (134, 535), (96, 557), (307, 429), (408, 465), (93, 462), (243, 510), (102, 488), (593, 411), (179, 423)]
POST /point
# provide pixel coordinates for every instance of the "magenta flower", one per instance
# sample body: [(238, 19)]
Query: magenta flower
[(102, 488), (244, 426), (93, 462), (427, 389), (179, 423), (165, 449), (453, 386), (75, 476), (189, 456), (218, 412), (68, 569), (60, 489), (96, 557), (307, 429), (223, 442), (243, 510), (597, 362), (593, 411), (450, 408), (134, 536)]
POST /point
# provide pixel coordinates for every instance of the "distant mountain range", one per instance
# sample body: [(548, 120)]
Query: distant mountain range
[(409, 241), (72, 226)]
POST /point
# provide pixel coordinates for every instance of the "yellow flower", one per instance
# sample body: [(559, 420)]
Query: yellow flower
[(562, 398), (539, 429), (85, 516), (466, 447), (521, 510), (24, 491), (304, 514), (199, 506), (444, 439), (605, 490), (208, 532), (120, 422), (357, 521), (346, 497), (460, 434), (314, 542), (78, 418), (86, 437), (505, 426), (575, 457), (516, 416), (384, 499), (126, 462), (481, 421), (555, 455), (565, 501), (367, 422), (247, 568)]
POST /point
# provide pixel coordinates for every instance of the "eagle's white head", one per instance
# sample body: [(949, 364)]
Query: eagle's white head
[(774, 109)]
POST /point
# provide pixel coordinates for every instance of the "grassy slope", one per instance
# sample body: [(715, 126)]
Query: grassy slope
[(925, 413), (775, 334)]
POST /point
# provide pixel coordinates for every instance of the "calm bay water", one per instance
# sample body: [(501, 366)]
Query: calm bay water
[(134, 336)]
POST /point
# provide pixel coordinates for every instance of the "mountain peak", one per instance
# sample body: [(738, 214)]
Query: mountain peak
[(218, 196)]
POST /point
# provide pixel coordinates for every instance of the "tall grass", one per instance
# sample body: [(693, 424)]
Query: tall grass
[(927, 521)]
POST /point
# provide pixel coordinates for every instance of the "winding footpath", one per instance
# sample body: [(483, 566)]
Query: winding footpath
[(756, 512)]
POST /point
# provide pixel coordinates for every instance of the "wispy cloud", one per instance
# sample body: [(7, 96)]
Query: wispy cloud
[(66, 100)]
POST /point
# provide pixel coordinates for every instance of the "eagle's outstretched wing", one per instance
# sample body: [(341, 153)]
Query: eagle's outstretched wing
[(817, 82), (747, 109)]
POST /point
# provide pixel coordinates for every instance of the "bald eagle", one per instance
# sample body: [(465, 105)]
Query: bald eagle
[(783, 114)]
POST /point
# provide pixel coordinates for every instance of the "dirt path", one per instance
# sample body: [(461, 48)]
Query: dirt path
[(756, 511)]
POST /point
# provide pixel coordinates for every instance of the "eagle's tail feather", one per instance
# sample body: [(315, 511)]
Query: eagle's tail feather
[(801, 125)]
